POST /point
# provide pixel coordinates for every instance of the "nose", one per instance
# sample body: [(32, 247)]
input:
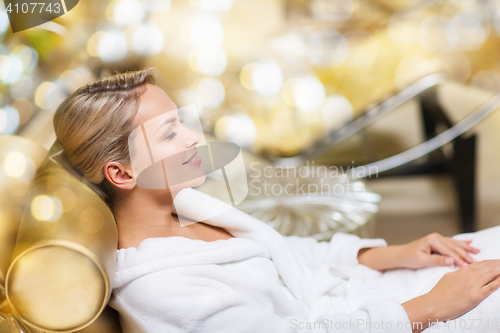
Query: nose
[(192, 139)]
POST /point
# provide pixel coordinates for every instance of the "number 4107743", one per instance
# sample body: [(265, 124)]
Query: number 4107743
[(25, 7)]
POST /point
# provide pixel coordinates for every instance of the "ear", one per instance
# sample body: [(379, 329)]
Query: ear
[(119, 175)]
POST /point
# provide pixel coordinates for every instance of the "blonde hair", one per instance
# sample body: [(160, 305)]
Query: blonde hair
[(93, 125)]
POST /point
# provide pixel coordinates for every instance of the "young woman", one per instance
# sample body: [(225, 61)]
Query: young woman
[(234, 273)]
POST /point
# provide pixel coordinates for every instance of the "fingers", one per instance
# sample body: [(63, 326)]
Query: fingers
[(439, 260), (458, 259), (457, 249), (491, 287), (463, 254), (443, 249), (488, 275), (461, 249), (466, 245)]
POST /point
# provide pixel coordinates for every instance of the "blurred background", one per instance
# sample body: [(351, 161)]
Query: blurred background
[(278, 77)]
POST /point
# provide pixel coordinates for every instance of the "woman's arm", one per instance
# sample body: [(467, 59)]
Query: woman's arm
[(455, 294), (420, 312), (431, 250), (381, 258)]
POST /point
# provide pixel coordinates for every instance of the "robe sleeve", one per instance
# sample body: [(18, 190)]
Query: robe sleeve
[(340, 253)]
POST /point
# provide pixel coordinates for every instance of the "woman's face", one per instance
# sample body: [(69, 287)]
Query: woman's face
[(169, 145)]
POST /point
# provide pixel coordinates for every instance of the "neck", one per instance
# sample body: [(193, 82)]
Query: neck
[(142, 214)]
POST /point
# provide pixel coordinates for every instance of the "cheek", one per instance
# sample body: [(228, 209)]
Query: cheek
[(175, 159), (174, 170), (165, 150), (171, 153)]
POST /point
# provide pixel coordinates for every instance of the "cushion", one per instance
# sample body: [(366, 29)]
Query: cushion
[(65, 253), (19, 159)]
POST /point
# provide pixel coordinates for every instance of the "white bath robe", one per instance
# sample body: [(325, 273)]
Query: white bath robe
[(261, 281)]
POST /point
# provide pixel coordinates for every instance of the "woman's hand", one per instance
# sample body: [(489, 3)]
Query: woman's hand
[(431, 250), (435, 250), (456, 293)]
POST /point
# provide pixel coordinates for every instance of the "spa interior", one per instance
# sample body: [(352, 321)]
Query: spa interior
[(373, 117)]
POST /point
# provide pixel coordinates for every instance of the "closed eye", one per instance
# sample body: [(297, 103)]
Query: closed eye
[(173, 134)]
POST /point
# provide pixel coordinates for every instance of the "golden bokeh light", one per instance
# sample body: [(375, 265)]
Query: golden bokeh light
[(211, 91), (48, 95), (46, 208), (14, 164)]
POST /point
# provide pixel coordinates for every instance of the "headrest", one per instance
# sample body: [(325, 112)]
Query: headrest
[(64, 259), (19, 159)]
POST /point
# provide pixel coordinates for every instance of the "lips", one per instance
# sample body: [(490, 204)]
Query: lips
[(189, 159)]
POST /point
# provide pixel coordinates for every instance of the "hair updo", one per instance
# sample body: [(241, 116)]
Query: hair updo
[(93, 125)]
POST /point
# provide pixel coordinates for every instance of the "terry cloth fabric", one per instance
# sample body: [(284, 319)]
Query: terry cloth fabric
[(261, 281)]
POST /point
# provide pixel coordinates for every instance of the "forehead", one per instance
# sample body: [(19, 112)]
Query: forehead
[(153, 103)]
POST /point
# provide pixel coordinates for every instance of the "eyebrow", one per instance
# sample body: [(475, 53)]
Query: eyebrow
[(165, 122)]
